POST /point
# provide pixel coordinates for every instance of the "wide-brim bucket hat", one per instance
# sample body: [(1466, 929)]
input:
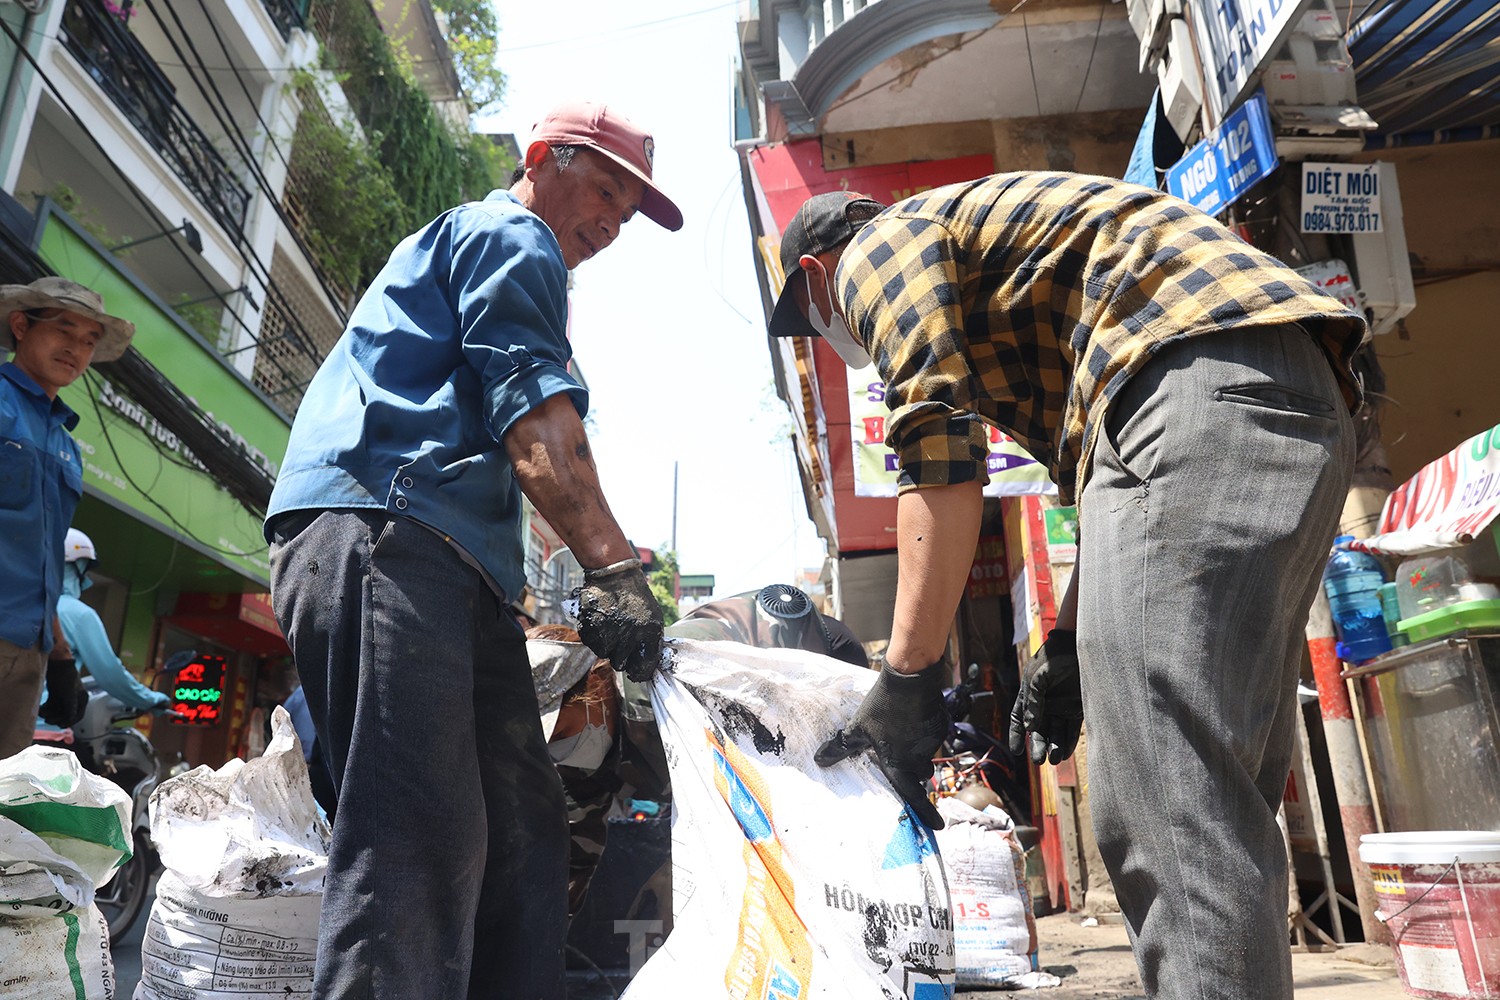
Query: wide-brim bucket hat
[(60, 293)]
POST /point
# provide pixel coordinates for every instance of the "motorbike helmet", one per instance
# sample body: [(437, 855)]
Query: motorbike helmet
[(78, 546)]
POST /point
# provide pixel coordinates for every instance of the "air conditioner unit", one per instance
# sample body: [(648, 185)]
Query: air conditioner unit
[(1181, 89), (1382, 268)]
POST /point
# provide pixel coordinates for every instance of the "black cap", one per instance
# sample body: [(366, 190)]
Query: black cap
[(823, 223)]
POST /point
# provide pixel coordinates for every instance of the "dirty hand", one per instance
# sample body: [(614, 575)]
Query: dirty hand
[(1050, 702), (904, 721), (619, 618), (66, 697)]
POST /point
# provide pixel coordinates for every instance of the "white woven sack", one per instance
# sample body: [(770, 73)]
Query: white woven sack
[(236, 912), (60, 957), (789, 880), (986, 877)]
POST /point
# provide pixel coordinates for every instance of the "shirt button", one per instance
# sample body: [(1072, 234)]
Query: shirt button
[(401, 503), (407, 482)]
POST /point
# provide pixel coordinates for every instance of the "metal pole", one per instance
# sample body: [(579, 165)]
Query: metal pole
[(1356, 809), (674, 507)]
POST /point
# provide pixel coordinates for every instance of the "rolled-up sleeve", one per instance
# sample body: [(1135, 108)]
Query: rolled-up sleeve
[(509, 288), (900, 288)]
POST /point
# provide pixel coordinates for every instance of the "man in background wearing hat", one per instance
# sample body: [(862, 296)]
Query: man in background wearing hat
[(56, 329), (1193, 395), (396, 550)]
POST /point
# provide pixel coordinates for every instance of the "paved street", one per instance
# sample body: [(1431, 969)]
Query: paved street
[(1094, 963)]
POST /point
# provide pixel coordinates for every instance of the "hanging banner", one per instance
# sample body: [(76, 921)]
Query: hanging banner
[(1445, 505), (1012, 471)]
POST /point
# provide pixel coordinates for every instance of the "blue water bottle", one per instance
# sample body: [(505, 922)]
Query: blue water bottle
[(1352, 581)]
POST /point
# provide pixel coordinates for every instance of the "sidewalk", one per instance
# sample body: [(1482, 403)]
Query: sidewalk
[(1095, 964)]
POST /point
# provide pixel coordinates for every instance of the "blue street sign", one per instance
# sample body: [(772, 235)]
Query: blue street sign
[(1231, 158)]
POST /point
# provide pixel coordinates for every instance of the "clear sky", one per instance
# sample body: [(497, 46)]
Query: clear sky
[(667, 327)]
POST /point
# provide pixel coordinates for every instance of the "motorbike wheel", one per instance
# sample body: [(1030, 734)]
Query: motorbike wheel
[(121, 900)]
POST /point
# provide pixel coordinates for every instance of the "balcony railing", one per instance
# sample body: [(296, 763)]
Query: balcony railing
[(126, 72), (287, 14)]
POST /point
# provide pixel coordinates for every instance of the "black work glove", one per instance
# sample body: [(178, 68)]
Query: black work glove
[(620, 619), (1050, 702), (903, 720), (66, 697)]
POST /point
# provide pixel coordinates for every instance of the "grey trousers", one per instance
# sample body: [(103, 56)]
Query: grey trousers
[(1215, 493), (23, 674), (448, 873)]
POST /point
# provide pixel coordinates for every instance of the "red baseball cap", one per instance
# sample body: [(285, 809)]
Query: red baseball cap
[(584, 123)]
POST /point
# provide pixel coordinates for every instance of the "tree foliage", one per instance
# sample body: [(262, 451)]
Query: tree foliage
[(663, 581), (412, 164), (473, 34)]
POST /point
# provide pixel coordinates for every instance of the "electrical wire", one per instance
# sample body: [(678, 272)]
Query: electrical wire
[(239, 78), (717, 288), (171, 518), (237, 137), (612, 32), (148, 207), (918, 66), (1031, 63), (1098, 30)]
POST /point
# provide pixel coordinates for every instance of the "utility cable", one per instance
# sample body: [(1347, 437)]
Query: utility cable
[(171, 518), (239, 78), (612, 32), (230, 465), (1098, 30), (914, 67), (1036, 90), (150, 209), (237, 137)]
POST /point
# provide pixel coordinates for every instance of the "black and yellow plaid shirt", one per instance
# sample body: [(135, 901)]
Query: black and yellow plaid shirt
[(1027, 300)]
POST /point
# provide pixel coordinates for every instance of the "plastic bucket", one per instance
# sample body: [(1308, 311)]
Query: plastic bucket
[(1439, 892)]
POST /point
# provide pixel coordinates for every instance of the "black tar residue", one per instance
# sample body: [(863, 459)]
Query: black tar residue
[(740, 721), (877, 935)]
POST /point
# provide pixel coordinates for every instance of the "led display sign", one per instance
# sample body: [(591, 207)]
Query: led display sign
[(198, 691)]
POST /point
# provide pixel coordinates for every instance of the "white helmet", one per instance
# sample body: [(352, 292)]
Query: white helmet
[(78, 546)]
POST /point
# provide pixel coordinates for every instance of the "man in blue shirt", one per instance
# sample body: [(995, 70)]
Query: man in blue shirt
[(397, 547), (56, 329)]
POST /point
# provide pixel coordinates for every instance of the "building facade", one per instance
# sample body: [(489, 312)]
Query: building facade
[(200, 165), (894, 97)]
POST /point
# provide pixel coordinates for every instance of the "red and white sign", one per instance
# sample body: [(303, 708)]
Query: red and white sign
[(1445, 505)]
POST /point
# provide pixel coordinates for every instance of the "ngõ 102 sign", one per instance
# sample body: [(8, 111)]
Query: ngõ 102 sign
[(198, 691)]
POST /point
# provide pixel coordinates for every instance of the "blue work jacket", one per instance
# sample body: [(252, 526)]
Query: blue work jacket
[(41, 479), (462, 333)]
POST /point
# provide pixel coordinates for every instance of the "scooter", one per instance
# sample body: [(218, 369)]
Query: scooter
[(126, 757)]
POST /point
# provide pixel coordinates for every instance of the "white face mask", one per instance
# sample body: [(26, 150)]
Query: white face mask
[(835, 329)]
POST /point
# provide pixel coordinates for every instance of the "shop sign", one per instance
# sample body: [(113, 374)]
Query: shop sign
[(877, 467), (1062, 534), (198, 691), (1341, 198), (1447, 504), (1235, 39), (1229, 160), (989, 576)]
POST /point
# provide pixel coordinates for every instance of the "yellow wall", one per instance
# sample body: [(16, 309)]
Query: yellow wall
[(1444, 380), (1443, 376)]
